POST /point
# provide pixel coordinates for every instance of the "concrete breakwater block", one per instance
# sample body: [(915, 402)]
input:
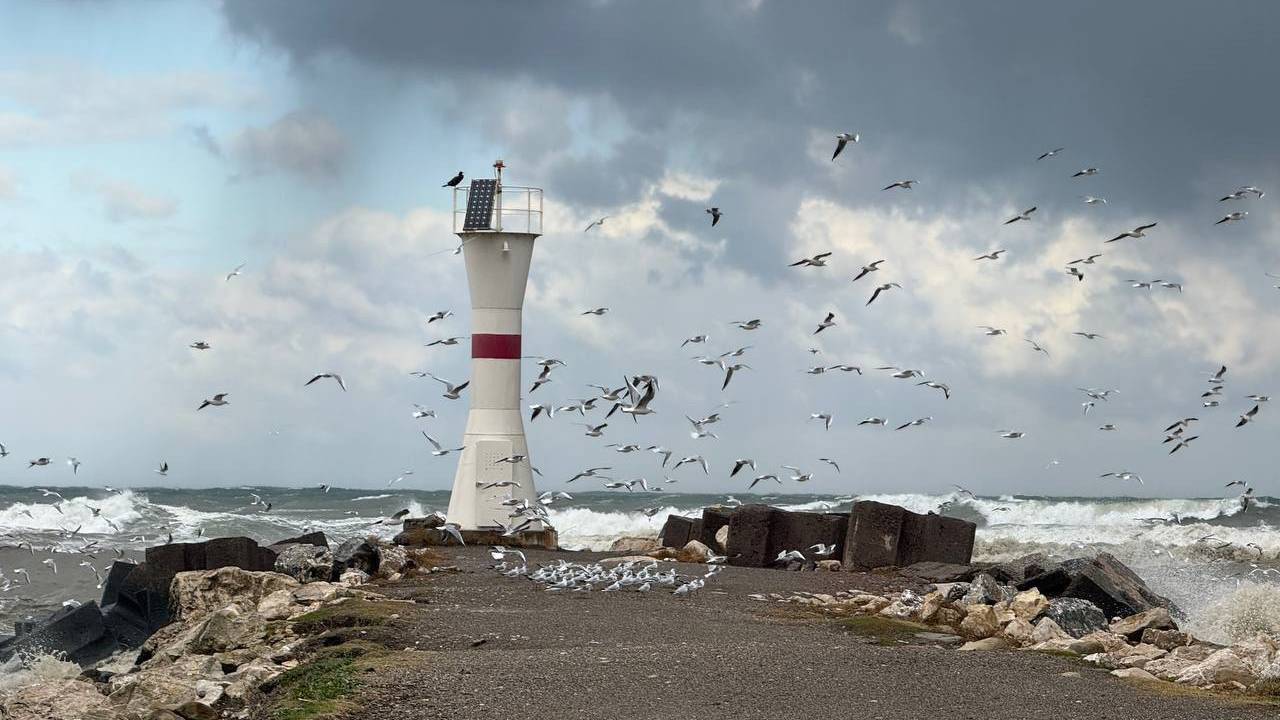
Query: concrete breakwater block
[(679, 530), (758, 533), (882, 535), (713, 518)]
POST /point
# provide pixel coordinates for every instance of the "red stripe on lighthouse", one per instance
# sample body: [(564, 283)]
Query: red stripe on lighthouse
[(495, 347)]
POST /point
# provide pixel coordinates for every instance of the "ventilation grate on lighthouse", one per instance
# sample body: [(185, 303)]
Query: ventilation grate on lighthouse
[(480, 205)]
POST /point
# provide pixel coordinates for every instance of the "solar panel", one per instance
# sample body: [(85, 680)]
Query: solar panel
[(480, 205)]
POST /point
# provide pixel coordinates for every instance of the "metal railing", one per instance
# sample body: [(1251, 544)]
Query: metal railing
[(516, 209)]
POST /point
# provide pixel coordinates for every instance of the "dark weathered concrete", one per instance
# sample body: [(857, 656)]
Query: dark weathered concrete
[(758, 533), (882, 535), (678, 530)]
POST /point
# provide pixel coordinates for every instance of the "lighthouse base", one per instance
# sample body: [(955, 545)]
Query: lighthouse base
[(541, 539)]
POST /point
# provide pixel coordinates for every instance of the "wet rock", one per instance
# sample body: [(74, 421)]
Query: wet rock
[(1156, 618), (1133, 673), (880, 535), (351, 577), (940, 572), (1166, 639), (419, 532), (391, 559), (1019, 569), (984, 590), (79, 633), (358, 553), (635, 545), (694, 552), (1102, 580), (1074, 616), (305, 563), (316, 538), (979, 622)]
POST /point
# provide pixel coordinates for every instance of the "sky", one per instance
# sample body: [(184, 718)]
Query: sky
[(147, 150)]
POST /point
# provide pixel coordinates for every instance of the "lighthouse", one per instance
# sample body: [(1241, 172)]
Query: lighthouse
[(497, 225)]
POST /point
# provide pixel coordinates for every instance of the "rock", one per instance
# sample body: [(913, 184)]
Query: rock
[(1168, 668), (979, 622), (1223, 666), (50, 700), (939, 572), (316, 538), (635, 545), (694, 552), (758, 533), (722, 540), (1075, 616), (358, 553), (1028, 604), (227, 629), (1133, 673), (277, 605), (1054, 646), (984, 590), (391, 559), (1166, 639), (1139, 655), (881, 535), (1019, 569), (78, 633), (166, 686), (1018, 632), (930, 604), (991, 643), (1097, 642), (1194, 653), (828, 565), (905, 607), (953, 592), (316, 592), (305, 563), (1048, 630), (679, 530), (196, 710), (949, 617), (1156, 618), (419, 532), (351, 577), (1102, 580), (197, 593)]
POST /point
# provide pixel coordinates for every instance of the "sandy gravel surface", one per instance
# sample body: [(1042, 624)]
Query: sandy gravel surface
[(715, 655)]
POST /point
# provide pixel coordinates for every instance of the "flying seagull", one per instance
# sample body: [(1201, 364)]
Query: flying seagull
[(454, 181), (1248, 416), (596, 223), (1050, 154), (830, 321), (993, 255), (1087, 172), (1233, 217), (824, 417), (741, 463), (904, 184), (236, 272), (715, 214), (882, 288), (440, 451), (1087, 335), (1086, 260), (1024, 215), (452, 392), (1093, 200), (216, 401), (199, 345), (1036, 346), (1074, 272), (596, 311), (1138, 232), (75, 465), (819, 260), (868, 269), (439, 315), (841, 140), (163, 470), (335, 376)]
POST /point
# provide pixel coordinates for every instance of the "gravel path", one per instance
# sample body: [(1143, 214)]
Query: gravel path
[(717, 655)]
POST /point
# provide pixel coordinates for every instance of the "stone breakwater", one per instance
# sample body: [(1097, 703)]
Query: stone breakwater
[(986, 615)]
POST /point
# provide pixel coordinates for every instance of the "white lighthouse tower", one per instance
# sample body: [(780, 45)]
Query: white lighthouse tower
[(499, 224)]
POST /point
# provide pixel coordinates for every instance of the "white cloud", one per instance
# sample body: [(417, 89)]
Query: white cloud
[(122, 200)]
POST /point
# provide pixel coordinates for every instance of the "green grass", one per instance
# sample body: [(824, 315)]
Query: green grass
[(314, 690), (354, 613), (885, 631)]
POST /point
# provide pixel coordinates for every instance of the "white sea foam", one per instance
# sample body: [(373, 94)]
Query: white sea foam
[(371, 497), (76, 512), (583, 529)]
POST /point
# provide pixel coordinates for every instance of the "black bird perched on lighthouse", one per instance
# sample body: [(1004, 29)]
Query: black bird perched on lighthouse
[(453, 182)]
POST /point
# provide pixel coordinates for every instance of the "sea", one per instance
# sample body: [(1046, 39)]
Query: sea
[(1219, 562)]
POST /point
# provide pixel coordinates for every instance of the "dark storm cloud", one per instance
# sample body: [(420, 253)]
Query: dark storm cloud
[(1166, 98)]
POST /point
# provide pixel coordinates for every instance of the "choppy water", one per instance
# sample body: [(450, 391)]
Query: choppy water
[(1190, 561)]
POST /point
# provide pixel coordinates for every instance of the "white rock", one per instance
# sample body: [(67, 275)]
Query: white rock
[(1133, 673), (1046, 630), (278, 605), (1224, 666)]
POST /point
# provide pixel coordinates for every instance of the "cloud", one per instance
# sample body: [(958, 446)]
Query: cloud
[(204, 139), (303, 143), (73, 102), (123, 201), (8, 184)]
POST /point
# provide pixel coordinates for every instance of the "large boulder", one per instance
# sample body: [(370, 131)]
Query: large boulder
[(419, 532), (940, 572), (78, 633), (979, 622), (355, 554), (635, 545), (316, 538), (1156, 618), (694, 552), (984, 590), (758, 533), (1102, 580), (1224, 666), (197, 593), (305, 563), (1019, 569), (47, 700), (1076, 617), (881, 535), (392, 559), (678, 530)]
